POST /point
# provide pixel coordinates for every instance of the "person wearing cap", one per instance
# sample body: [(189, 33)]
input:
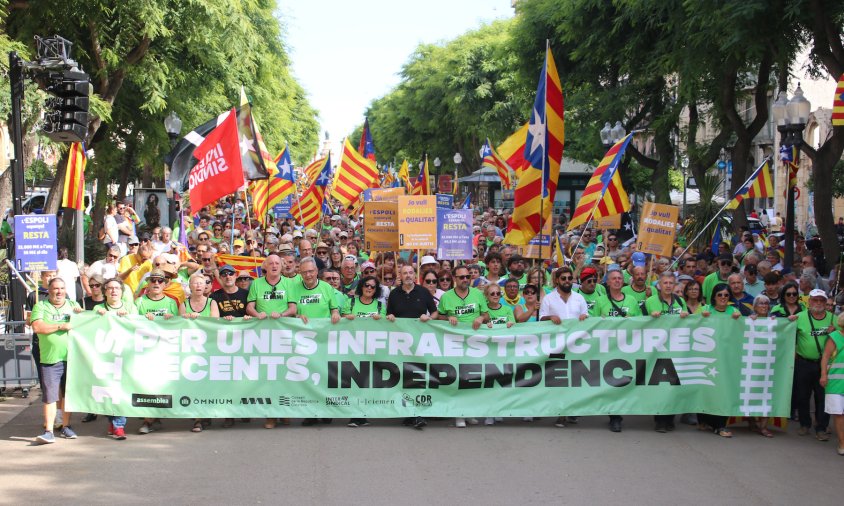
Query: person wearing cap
[(725, 268), (589, 288), (637, 259), (428, 263), (244, 280), (134, 266), (230, 299), (269, 295), (813, 329), (154, 302)]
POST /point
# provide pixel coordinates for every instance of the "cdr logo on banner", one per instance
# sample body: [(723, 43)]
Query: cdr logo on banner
[(422, 400)]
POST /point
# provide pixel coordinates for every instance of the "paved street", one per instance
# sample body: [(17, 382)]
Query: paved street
[(388, 464)]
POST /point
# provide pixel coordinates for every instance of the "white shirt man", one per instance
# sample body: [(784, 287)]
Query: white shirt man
[(563, 303)]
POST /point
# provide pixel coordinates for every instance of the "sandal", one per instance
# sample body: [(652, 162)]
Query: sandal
[(724, 432), (197, 426), (765, 432)]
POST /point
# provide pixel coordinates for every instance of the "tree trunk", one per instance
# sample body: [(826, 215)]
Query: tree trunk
[(126, 168), (822, 163), (741, 153), (146, 177), (6, 189)]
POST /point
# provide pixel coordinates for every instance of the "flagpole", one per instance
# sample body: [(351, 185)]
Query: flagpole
[(248, 215), (544, 148), (702, 230)]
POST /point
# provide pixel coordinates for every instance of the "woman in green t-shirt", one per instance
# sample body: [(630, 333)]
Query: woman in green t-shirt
[(199, 304), (720, 305), (365, 303), (498, 312), (832, 379)]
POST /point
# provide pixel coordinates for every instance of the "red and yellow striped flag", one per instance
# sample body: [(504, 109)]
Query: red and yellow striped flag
[(512, 150), (260, 199), (493, 160), (241, 263), (281, 179), (604, 195), (308, 210), (355, 174), (312, 171), (537, 188), (838, 103), (74, 178), (422, 185), (757, 186)]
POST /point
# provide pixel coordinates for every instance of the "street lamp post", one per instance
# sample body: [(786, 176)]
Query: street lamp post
[(173, 126), (791, 117), (457, 160)]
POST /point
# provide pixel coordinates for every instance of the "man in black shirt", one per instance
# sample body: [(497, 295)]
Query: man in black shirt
[(411, 301), (230, 299)]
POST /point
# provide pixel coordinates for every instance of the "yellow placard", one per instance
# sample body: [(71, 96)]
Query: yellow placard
[(381, 226), (387, 194), (417, 222), (657, 229), (609, 222), (541, 246)]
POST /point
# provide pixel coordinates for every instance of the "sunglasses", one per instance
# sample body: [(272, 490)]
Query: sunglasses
[(369, 286), (529, 292), (243, 278), (465, 276), (155, 281), (226, 273), (719, 295), (724, 262), (565, 278), (430, 281), (389, 279), (447, 279), (494, 294), (791, 294), (590, 280), (94, 285)]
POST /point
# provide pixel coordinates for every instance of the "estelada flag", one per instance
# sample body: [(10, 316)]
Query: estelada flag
[(838, 103), (219, 170), (74, 178)]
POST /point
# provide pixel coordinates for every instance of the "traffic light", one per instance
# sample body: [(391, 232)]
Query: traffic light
[(66, 119)]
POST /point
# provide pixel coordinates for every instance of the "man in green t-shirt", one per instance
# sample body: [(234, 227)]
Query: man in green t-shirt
[(664, 302), (616, 303), (155, 302), (463, 303), (269, 295), (813, 328), (590, 289), (725, 268), (50, 320), (638, 287), (312, 297)]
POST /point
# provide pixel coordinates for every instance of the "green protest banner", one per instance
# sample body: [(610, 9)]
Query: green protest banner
[(282, 368)]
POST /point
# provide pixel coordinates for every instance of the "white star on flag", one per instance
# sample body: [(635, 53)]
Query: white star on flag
[(245, 145), (537, 130), (322, 180), (284, 169)]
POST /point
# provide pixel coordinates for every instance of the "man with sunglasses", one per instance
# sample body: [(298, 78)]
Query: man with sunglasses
[(612, 249), (722, 275), (231, 299), (134, 266), (332, 277), (589, 288), (155, 302), (349, 274), (813, 329), (105, 268)]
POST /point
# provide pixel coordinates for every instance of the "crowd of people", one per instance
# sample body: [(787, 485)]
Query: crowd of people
[(325, 273)]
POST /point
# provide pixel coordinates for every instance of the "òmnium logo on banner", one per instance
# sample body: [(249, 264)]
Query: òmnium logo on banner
[(152, 400), (184, 401)]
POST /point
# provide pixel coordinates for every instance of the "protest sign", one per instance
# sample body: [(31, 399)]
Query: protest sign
[(417, 222), (211, 368), (540, 245), (282, 209), (609, 222), (657, 229), (383, 194), (445, 201), (454, 234), (380, 226), (35, 242)]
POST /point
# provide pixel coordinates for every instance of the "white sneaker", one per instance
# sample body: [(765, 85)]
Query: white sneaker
[(472, 421), (489, 421), (460, 423)]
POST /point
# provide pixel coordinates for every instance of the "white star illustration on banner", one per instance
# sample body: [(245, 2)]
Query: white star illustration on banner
[(713, 371), (628, 226), (537, 130)]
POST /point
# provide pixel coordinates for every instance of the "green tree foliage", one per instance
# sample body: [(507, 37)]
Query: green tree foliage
[(148, 57), (450, 98)]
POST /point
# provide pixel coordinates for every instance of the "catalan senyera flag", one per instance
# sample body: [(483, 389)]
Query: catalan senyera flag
[(558, 251), (604, 195), (366, 147), (422, 185), (404, 175), (512, 150), (282, 182), (259, 189), (241, 263), (74, 177), (838, 103), (758, 185), (312, 171), (491, 159), (354, 175), (308, 209), (537, 187)]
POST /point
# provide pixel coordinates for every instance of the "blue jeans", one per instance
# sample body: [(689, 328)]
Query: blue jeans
[(117, 421)]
